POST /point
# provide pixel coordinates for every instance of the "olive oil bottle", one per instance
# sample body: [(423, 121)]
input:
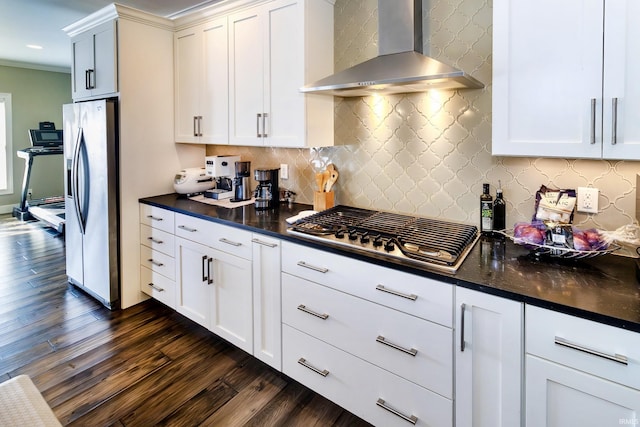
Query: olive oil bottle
[(486, 210), (499, 210)]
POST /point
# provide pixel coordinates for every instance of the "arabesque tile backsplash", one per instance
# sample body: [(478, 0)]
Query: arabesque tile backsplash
[(429, 153)]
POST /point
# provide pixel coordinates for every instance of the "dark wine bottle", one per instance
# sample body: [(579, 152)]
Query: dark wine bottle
[(499, 210), (486, 210)]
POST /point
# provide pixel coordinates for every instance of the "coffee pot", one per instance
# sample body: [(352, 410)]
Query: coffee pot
[(267, 193), (241, 182)]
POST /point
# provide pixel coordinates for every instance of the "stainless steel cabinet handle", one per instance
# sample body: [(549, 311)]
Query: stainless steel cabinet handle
[(412, 297), (157, 288), (462, 309), (204, 273), (614, 357), (410, 418), (614, 125), (195, 132), (260, 242), (312, 267), (199, 126), (306, 364), (258, 134), (229, 242), (88, 81), (313, 313), (189, 229), (155, 218), (410, 351), (154, 262), (592, 138), (264, 125), (159, 242), (209, 275)]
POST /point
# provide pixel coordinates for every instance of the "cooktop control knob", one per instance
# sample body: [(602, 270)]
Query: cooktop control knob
[(364, 238), (353, 234), (339, 233), (389, 246), (377, 240)]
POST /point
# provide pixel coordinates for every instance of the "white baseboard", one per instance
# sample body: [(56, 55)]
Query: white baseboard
[(4, 209)]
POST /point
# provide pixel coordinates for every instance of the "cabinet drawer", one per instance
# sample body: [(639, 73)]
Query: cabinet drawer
[(227, 239), (158, 262), (592, 347), (158, 240), (155, 217), (412, 348), (357, 385), (419, 296), (158, 286)]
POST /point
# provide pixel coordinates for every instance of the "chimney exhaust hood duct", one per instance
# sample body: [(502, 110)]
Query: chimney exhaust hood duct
[(400, 66)]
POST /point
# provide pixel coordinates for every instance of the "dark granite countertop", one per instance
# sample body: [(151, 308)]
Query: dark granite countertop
[(604, 289)]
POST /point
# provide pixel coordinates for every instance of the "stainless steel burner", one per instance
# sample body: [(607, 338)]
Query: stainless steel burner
[(430, 242)]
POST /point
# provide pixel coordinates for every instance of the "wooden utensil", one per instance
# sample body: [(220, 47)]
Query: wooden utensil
[(320, 181), (325, 178), (333, 177)]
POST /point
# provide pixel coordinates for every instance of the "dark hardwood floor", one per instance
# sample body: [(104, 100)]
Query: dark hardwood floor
[(143, 366)]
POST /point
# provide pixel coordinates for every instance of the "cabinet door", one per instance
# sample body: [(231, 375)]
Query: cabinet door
[(231, 303), (82, 56), (547, 77), (284, 74), (488, 357), (188, 77), (95, 62), (193, 270), (267, 334), (246, 77), (621, 127), (214, 90), (559, 396)]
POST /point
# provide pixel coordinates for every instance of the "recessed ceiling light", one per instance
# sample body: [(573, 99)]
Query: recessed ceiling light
[(34, 46)]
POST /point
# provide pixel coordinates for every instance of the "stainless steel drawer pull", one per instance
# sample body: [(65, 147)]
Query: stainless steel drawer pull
[(592, 137), (410, 418), (304, 363), (312, 267), (156, 263), (463, 306), (615, 357), (155, 240), (157, 288), (410, 351), (189, 229), (313, 313), (412, 297), (229, 242), (614, 125), (260, 242), (154, 218)]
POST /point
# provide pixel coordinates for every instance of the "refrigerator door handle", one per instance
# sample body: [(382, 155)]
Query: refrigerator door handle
[(75, 183)]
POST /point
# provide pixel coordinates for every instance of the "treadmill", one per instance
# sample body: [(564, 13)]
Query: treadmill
[(45, 141)]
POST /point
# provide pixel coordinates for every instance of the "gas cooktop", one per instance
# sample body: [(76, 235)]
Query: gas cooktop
[(421, 241)]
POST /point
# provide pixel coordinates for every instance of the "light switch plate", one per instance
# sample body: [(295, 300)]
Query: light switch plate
[(587, 200), (284, 171)]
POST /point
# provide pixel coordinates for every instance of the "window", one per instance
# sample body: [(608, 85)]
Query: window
[(6, 154)]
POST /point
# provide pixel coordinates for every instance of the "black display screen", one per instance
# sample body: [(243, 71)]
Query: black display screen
[(45, 138)]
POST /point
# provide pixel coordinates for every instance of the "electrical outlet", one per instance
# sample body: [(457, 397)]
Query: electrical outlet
[(587, 200), (284, 171)]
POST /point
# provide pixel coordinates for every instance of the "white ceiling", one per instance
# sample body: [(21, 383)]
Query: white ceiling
[(40, 22)]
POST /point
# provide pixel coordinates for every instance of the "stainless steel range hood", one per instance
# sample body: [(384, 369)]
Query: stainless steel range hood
[(400, 66)]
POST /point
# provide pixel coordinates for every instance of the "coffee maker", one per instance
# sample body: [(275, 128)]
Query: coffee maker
[(267, 193), (241, 182), (221, 168)]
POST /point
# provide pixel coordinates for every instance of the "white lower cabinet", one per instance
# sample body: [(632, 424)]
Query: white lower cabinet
[(214, 287), (267, 326), (364, 336), (580, 372), (372, 393), (488, 358)]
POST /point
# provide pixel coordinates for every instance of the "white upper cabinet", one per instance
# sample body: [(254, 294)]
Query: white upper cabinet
[(201, 83), (274, 49), (94, 67), (550, 95)]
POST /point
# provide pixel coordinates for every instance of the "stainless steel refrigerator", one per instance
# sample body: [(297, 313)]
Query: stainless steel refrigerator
[(91, 198)]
